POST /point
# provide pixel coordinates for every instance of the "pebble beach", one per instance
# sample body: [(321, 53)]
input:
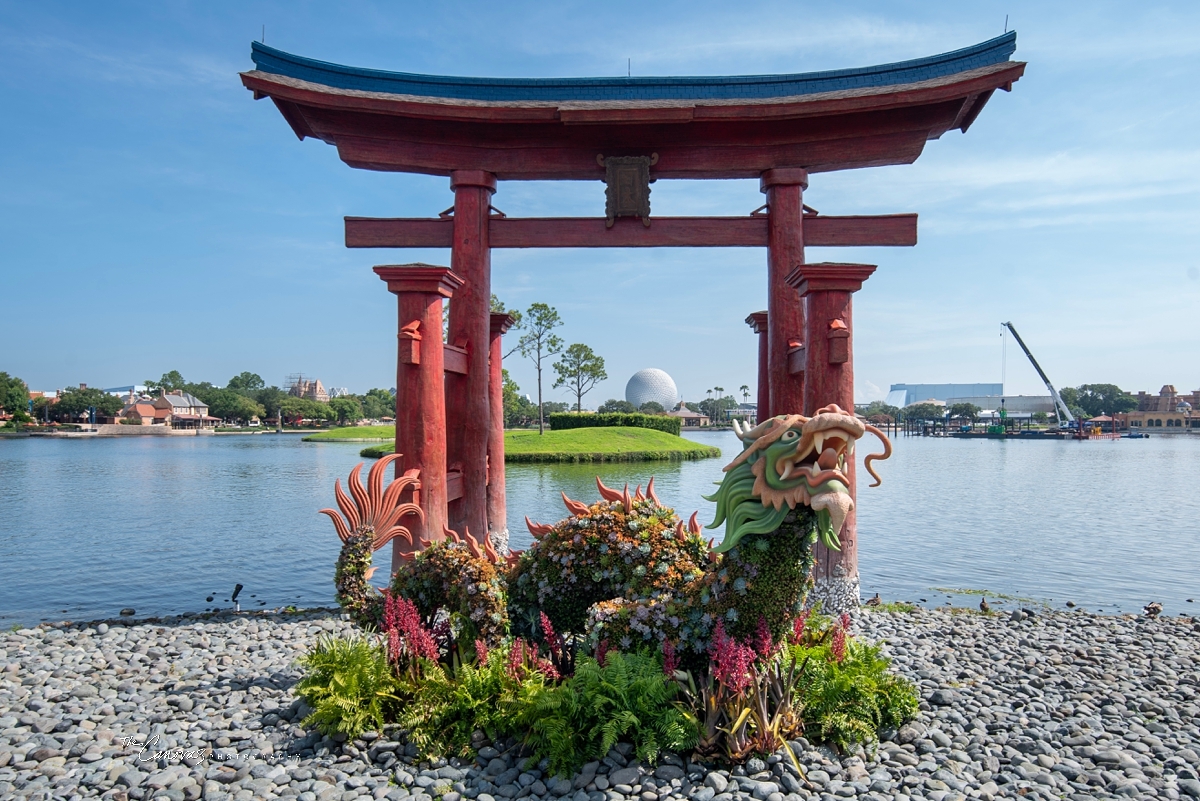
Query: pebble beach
[(1014, 705)]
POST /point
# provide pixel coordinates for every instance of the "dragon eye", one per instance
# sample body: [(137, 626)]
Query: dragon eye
[(790, 435)]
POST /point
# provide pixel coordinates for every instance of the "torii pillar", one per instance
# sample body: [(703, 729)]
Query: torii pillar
[(420, 390), (758, 324), (468, 405), (829, 378), (497, 505), (784, 189)]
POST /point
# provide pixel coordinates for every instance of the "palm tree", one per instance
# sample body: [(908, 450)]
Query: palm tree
[(745, 390), (719, 409)]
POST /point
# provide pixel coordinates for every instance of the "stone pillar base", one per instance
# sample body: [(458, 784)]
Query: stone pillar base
[(837, 594), (499, 541)]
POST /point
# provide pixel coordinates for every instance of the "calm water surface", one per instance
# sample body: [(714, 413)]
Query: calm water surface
[(159, 524)]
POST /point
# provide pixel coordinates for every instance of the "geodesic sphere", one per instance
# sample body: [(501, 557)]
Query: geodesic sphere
[(652, 384)]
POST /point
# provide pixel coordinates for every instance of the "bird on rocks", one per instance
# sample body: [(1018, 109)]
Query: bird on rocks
[(875, 601), (1152, 609), (984, 606)]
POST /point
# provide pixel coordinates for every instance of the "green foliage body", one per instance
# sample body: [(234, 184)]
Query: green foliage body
[(519, 411), (229, 404), (296, 409), (848, 702), (717, 409), (964, 411), (608, 553), (579, 369), (563, 422), (378, 403), (612, 405), (14, 395), (877, 409), (75, 402), (444, 708), (539, 342), (445, 576), (626, 699), (354, 593), (347, 408), (349, 684), (922, 412), (246, 382)]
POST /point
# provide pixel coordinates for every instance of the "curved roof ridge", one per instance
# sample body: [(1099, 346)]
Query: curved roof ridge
[(277, 62)]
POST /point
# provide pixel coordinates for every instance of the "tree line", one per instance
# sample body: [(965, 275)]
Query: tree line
[(244, 397), (1084, 401)]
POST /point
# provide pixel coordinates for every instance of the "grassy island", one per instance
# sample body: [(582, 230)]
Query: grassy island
[(615, 444), (354, 434)]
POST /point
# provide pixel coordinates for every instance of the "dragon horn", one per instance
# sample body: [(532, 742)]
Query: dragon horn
[(627, 500), (574, 507), (342, 530), (450, 533), (637, 494), (513, 557), (490, 551), (538, 530), (400, 510), (408, 557), (346, 505), (606, 493), (887, 451), (472, 545), (679, 529), (375, 484), (354, 484), (394, 532), (694, 522), (370, 572), (650, 492)]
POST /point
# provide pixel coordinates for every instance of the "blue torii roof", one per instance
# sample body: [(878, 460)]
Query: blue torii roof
[(749, 87)]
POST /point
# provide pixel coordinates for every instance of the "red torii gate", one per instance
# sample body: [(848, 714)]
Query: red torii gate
[(627, 132)]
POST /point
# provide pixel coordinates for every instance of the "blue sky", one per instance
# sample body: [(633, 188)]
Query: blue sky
[(154, 217)]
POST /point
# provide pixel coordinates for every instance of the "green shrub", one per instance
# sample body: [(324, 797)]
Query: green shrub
[(563, 421), (848, 702), (628, 698), (349, 685), (445, 709)]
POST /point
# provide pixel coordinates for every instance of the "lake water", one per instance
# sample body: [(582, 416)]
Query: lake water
[(160, 524)]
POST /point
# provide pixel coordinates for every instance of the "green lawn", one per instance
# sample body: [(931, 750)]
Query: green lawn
[(354, 434), (614, 444)]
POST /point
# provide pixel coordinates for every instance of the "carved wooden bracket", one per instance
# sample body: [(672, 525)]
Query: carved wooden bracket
[(627, 187), (839, 342), (409, 343), (795, 357)]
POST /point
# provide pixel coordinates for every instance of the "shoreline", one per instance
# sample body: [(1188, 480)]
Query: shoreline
[(1055, 705)]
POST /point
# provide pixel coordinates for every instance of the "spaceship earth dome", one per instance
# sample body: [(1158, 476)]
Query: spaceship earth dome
[(652, 384)]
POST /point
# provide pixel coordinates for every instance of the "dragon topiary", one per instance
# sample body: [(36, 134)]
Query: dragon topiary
[(627, 571)]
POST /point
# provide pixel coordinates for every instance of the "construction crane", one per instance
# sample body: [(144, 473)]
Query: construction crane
[(1058, 401)]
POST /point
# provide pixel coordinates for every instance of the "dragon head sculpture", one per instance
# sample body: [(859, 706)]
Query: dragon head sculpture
[(792, 460)]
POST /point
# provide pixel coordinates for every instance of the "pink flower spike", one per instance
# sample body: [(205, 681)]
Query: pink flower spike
[(762, 639), (481, 652), (837, 646), (670, 660)]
